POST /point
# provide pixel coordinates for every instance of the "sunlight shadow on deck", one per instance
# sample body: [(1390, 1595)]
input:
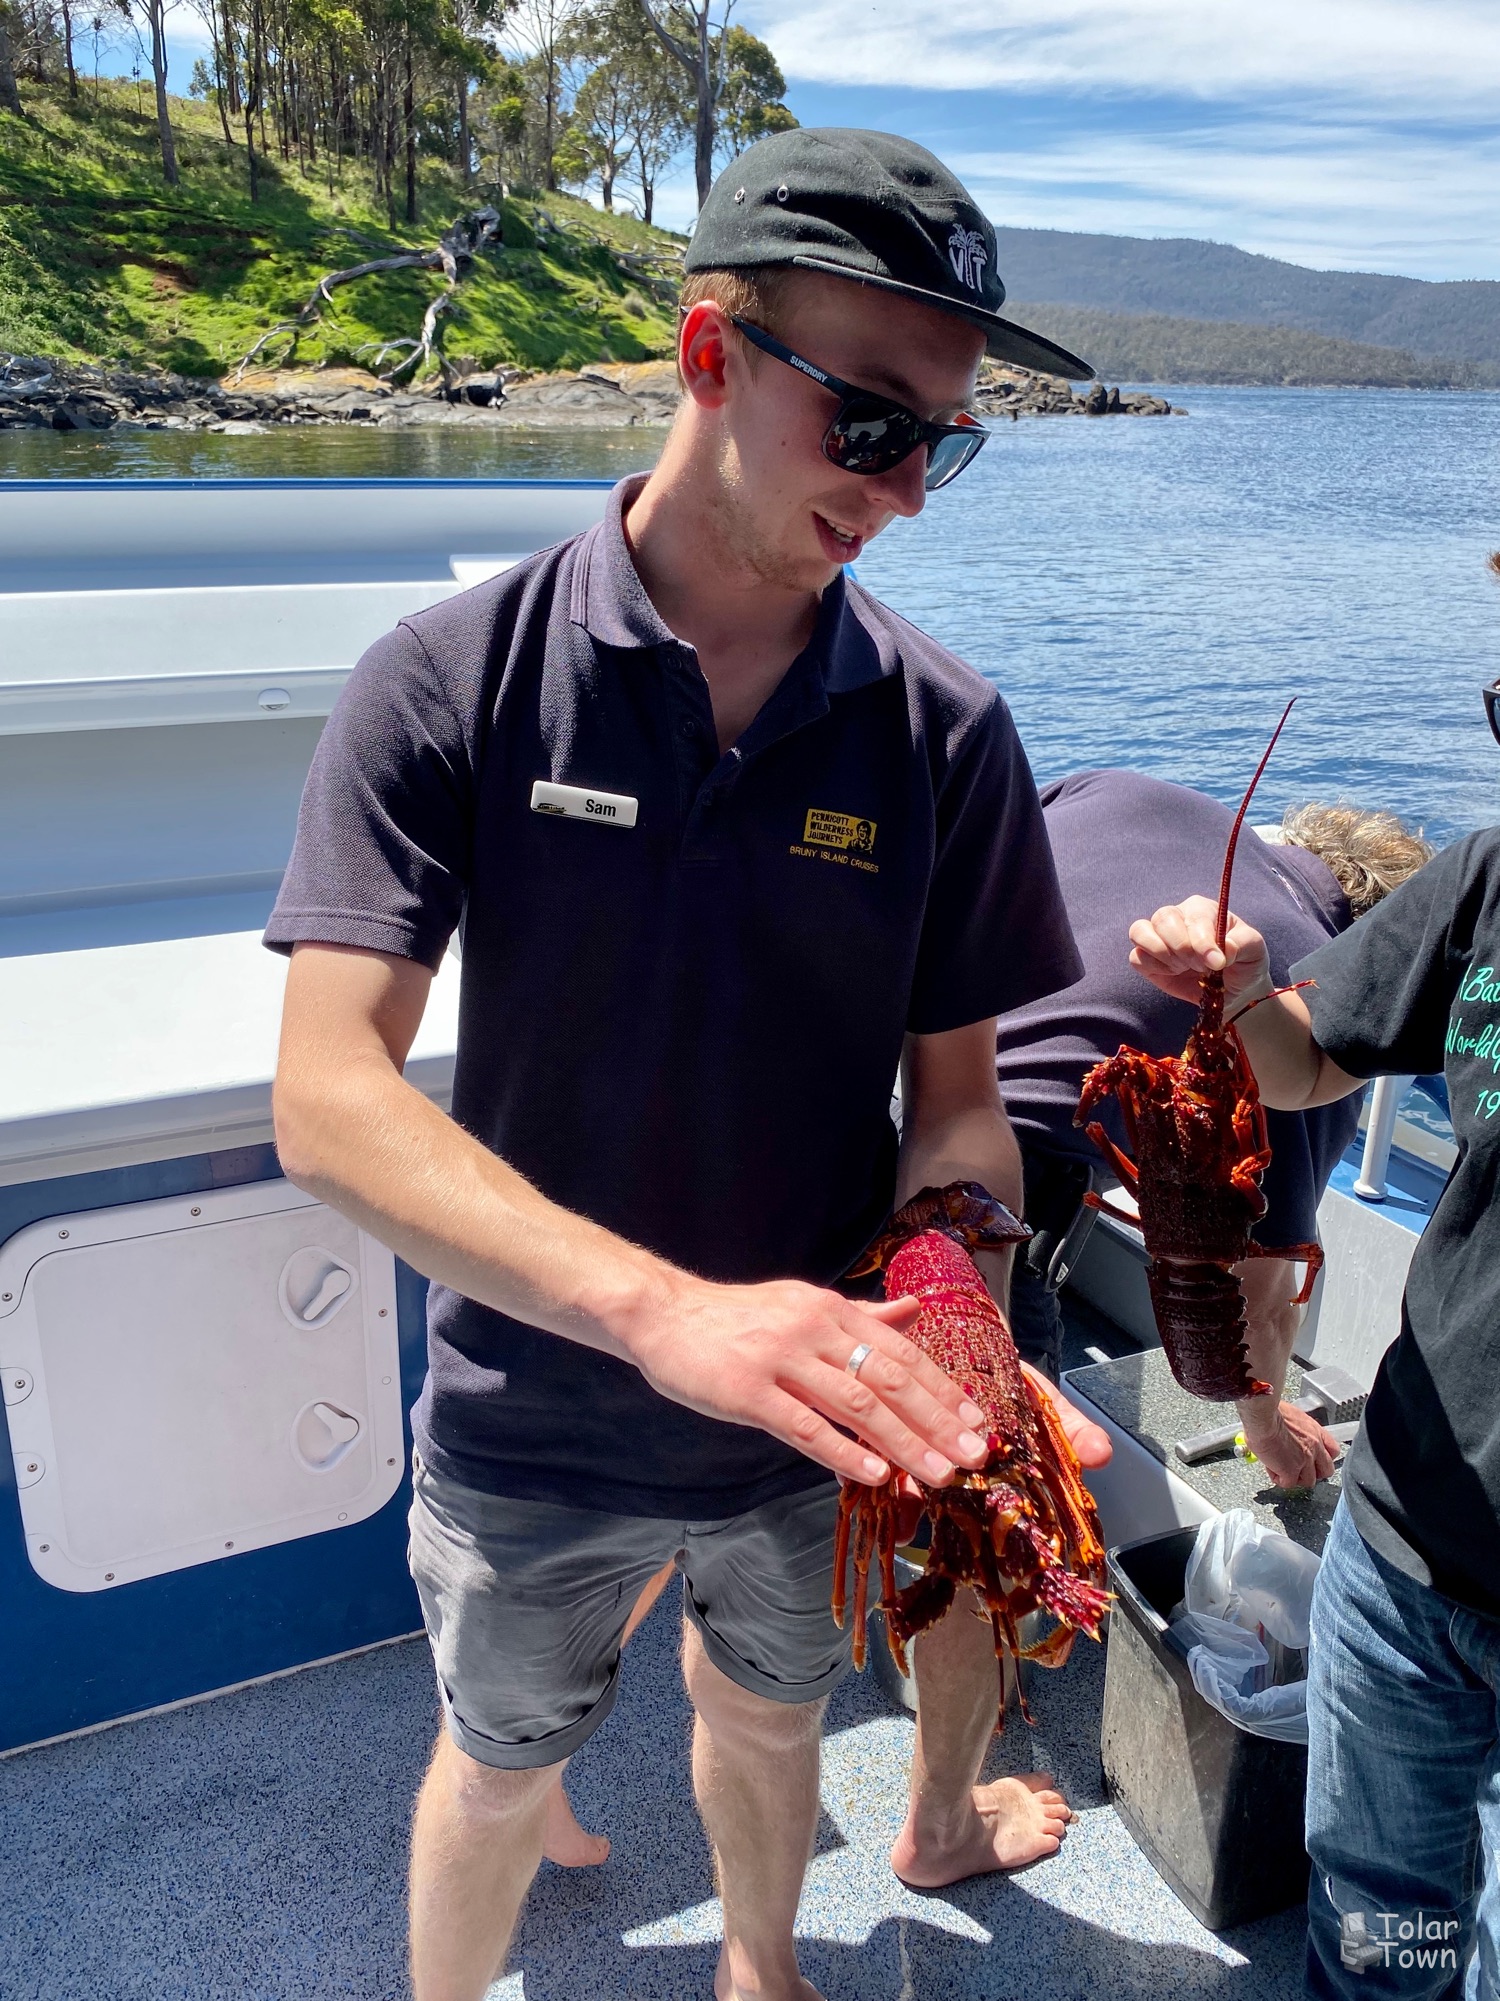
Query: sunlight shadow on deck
[(253, 1848)]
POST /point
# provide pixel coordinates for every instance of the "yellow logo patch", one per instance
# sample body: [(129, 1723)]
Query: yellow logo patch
[(839, 830)]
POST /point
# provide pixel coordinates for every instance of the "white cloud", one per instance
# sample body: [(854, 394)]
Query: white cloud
[(1419, 55), (1331, 195), (1354, 133)]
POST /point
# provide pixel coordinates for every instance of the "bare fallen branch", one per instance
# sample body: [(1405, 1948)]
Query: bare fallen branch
[(453, 254), (23, 374)]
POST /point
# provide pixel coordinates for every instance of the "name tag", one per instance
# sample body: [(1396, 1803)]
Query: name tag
[(576, 802)]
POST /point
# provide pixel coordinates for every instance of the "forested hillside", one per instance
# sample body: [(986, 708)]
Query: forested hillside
[(1152, 347), (1186, 279)]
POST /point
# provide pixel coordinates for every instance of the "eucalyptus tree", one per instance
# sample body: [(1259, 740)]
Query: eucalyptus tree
[(152, 16), (629, 115), (10, 96)]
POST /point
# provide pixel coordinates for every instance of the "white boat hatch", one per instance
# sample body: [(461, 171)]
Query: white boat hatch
[(203, 1375)]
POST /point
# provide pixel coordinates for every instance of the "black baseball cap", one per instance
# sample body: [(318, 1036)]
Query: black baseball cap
[(871, 207)]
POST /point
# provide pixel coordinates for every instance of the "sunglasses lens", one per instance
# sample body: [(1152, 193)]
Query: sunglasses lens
[(870, 436), (950, 455)]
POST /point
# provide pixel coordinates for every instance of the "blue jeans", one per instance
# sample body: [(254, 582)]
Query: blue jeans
[(1403, 1775)]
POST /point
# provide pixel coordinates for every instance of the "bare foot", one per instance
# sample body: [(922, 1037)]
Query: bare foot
[(1012, 1822), (565, 1842), (725, 1989)]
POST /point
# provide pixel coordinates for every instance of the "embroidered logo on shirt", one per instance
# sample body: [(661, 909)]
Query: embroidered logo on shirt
[(839, 830), (837, 837)]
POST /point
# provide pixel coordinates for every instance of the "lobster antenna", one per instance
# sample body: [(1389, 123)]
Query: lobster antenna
[(1222, 924)]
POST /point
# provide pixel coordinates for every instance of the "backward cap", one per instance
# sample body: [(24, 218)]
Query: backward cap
[(871, 207)]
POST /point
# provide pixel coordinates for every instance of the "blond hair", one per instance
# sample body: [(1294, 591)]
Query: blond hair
[(1369, 853), (758, 294)]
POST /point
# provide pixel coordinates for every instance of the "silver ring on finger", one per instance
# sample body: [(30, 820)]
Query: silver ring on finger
[(860, 1356)]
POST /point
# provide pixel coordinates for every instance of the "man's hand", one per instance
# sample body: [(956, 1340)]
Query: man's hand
[(1176, 948), (1294, 1448), (775, 1356)]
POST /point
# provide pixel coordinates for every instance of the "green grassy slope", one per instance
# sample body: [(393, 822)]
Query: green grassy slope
[(101, 261)]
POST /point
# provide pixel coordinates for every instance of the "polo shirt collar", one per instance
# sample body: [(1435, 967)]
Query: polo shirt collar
[(848, 648)]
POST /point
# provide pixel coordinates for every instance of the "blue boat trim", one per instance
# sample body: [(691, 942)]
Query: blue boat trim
[(1412, 1186), (69, 1660), (283, 485)]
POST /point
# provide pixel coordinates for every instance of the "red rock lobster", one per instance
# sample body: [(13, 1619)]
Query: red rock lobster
[(1198, 1130), (1022, 1530)]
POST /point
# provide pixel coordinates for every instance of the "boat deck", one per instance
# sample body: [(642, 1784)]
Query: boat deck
[(253, 1848)]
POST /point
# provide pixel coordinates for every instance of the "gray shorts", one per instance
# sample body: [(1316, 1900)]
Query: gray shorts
[(525, 1603)]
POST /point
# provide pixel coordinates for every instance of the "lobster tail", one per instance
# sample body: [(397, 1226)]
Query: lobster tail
[(1200, 1314), (1222, 924)]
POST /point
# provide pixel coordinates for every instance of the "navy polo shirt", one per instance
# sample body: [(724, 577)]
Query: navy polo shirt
[(686, 1029)]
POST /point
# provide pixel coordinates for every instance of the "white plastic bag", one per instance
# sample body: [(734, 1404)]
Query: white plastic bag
[(1279, 1712), (1242, 1580), (1244, 1571)]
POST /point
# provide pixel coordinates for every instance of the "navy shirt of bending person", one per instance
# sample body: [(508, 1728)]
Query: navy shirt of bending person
[(1125, 845), (681, 1019)]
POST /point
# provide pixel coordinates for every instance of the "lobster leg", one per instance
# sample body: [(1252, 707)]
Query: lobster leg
[(1121, 1162), (1310, 1255), (864, 1536), (1101, 1203), (848, 1501)]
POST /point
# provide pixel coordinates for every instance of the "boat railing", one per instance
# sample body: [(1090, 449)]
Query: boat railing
[(1385, 1103)]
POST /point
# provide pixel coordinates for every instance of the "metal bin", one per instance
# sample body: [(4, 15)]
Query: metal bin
[(1217, 1812)]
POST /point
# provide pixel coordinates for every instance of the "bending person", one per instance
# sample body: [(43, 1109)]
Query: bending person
[(1122, 841)]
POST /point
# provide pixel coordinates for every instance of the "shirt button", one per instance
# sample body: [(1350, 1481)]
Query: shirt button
[(689, 730)]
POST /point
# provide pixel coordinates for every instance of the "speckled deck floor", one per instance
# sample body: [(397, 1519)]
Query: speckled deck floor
[(253, 1847)]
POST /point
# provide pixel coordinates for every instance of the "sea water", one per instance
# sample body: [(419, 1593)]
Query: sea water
[(1145, 591)]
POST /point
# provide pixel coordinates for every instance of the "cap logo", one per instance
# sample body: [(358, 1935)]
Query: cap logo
[(968, 256)]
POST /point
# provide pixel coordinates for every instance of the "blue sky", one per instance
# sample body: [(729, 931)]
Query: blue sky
[(1350, 134)]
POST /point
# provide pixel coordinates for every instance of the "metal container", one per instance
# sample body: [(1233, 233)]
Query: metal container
[(1217, 1812)]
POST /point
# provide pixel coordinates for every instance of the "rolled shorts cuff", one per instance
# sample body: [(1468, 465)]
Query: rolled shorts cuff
[(531, 1756), (739, 1671)]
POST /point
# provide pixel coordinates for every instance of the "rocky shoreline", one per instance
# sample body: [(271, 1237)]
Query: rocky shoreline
[(37, 394)]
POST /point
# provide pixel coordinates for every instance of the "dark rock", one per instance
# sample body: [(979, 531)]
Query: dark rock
[(1096, 403), (480, 390)]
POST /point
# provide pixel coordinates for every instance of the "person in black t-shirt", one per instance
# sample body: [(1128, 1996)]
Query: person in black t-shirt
[(1404, 1675)]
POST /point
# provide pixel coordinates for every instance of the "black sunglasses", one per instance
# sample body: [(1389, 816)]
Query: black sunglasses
[(1492, 708), (870, 433)]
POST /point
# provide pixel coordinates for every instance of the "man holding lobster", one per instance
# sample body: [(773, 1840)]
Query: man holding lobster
[(1404, 1666), (725, 839)]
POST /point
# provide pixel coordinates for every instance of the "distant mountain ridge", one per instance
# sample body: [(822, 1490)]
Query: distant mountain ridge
[(1184, 278), (1159, 348)]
